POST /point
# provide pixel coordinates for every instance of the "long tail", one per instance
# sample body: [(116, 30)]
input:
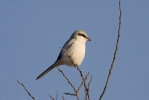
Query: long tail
[(47, 70)]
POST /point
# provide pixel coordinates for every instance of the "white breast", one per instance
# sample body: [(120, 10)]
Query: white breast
[(76, 51)]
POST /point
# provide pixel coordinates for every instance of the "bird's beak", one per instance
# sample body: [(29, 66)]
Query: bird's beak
[(88, 39)]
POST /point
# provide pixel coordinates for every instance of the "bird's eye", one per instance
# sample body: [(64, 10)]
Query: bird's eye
[(81, 35)]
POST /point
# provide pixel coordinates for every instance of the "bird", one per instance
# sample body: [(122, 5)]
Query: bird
[(72, 53)]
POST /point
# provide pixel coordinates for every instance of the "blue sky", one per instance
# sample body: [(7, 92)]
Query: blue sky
[(31, 32)]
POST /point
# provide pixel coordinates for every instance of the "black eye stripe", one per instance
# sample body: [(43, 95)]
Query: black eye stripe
[(81, 35)]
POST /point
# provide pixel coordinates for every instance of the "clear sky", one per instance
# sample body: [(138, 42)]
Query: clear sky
[(31, 32)]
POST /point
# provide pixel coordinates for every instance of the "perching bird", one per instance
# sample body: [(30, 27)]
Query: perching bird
[(72, 53)]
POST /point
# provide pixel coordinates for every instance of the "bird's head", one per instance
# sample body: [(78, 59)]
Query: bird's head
[(80, 35)]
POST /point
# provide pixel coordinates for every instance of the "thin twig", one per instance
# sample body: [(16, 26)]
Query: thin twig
[(114, 58), (51, 97), (89, 83), (84, 82), (26, 90), (67, 79), (69, 94), (75, 91)]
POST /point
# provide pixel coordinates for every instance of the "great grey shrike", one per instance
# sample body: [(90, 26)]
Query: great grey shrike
[(75, 48)]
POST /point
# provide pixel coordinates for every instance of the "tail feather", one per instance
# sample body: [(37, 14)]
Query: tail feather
[(47, 70)]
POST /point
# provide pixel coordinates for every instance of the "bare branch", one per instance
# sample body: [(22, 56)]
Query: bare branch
[(90, 83), (67, 79), (70, 94), (90, 80), (51, 97), (84, 82), (26, 90), (75, 91), (114, 58)]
